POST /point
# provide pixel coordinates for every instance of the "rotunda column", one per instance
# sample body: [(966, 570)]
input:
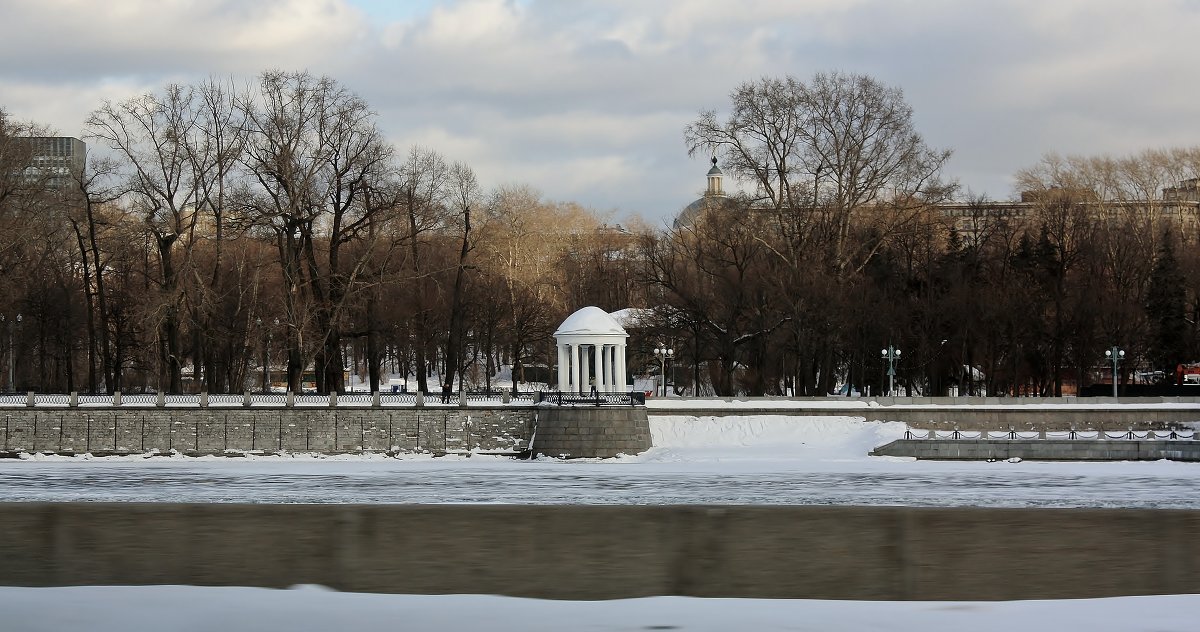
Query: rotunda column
[(621, 378), (563, 367), (618, 385), (575, 366), (601, 368), (585, 368)]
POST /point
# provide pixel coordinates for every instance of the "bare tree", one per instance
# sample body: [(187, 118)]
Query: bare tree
[(424, 187), (464, 196), (316, 156), (154, 135)]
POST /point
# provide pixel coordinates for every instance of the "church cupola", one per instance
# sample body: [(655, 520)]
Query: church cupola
[(714, 180)]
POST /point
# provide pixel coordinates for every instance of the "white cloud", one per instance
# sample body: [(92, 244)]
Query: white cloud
[(572, 96)]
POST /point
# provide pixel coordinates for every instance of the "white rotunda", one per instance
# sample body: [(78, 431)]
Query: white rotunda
[(591, 352)]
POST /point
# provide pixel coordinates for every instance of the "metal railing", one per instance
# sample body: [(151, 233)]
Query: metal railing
[(230, 400), (1072, 434), (559, 398)]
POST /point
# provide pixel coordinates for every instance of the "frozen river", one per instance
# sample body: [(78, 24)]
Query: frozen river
[(977, 484), (747, 460)]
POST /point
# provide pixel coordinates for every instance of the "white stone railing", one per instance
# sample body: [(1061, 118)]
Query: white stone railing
[(279, 400)]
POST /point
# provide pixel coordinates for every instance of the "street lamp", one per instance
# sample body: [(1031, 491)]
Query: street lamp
[(663, 353), (892, 355), (16, 322), (1114, 355)]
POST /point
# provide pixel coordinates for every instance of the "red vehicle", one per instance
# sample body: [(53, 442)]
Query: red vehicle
[(1188, 374)]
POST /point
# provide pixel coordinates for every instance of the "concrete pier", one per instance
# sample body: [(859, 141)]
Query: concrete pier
[(1042, 449)]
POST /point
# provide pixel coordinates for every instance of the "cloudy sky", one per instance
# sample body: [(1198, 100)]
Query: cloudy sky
[(586, 100)]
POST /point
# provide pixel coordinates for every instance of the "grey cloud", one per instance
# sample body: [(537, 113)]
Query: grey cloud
[(536, 90)]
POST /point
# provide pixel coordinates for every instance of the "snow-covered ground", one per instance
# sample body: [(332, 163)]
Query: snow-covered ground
[(728, 460), (191, 608)]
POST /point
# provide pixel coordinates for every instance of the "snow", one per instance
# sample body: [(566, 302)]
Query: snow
[(632, 316), (590, 321), (236, 609)]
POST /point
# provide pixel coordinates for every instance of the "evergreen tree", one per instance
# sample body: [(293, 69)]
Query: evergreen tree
[(1166, 310)]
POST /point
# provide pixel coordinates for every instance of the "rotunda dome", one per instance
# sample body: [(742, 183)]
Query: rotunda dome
[(590, 320)]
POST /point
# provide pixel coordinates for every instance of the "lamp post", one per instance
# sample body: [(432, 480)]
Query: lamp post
[(892, 355), (11, 325), (1114, 355), (663, 353)]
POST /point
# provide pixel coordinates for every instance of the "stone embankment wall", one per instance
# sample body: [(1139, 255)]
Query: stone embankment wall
[(113, 430), (592, 431), (566, 431), (1042, 449), (607, 552)]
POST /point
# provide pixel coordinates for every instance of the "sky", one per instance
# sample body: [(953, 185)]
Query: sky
[(586, 101)]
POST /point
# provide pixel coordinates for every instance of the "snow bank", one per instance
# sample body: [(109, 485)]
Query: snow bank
[(767, 437), (179, 608)]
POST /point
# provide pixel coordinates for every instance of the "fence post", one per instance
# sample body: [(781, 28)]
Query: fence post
[(246, 399), (204, 399), (74, 402), (162, 399), (462, 397), (375, 400), (30, 399), (116, 401), (419, 401), (333, 399), (506, 397), (291, 400)]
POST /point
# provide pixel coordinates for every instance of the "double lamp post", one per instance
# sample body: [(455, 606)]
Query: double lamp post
[(892, 355), (663, 353)]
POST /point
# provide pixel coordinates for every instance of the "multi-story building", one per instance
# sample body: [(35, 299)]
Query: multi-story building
[(56, 159), (1179, 206)]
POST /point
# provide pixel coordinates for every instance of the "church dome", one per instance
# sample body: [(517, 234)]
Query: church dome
[(714, 196), (694, 211)]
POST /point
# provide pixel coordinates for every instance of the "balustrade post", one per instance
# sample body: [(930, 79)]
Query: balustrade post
[(162, 399), (291, 400), (419, 400), (246, 398), (31, 399), (74, 401), (204, 399), (116, 400), (376, 401), (333, 399)]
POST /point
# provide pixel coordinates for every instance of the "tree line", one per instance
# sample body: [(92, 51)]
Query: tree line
[(843, 246), (222, 230), (219, 232)]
